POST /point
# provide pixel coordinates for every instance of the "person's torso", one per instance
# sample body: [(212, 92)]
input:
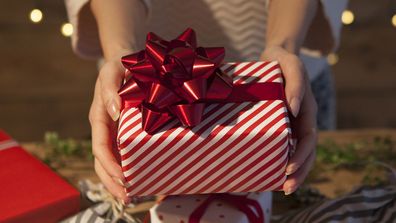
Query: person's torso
[(237, 25)]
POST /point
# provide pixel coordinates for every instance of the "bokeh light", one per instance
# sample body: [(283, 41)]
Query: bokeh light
[(332, 58), (394, 20), (347, 17), (36, 16), (67, 29)]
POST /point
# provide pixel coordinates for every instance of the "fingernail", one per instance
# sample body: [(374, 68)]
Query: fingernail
[(289, 190), (295, 106), (290, 169), (114, 110), (122, 201), (126, 201)]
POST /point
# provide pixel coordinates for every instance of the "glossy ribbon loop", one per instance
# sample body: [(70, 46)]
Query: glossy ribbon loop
[(173, 79)]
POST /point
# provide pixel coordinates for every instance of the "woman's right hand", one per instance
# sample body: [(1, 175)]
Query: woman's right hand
[(103, 116), (303, 107)]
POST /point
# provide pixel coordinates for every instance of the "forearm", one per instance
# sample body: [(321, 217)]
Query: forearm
[(118, 22), (288, 22)]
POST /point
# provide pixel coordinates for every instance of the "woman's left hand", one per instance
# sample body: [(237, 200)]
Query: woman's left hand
[(303, 107)]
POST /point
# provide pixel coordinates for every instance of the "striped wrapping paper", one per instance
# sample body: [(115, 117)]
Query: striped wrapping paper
[(238, 147)]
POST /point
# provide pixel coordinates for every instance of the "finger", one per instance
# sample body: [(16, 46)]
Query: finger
[(294, 180), (102, 149), (110, 77), (305, 126), (294, 74), (114, 188), (304, 148), (102, 143)]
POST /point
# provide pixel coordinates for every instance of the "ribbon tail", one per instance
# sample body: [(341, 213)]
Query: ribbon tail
[(244, 204), (257, 207), (197, 214)]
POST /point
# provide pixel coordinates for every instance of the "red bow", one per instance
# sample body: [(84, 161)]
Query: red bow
[(174, 78)]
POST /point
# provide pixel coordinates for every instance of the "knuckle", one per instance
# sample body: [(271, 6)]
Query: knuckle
[(91, 116), (96, 167), (95, 153), (295, 60), (98, 151)]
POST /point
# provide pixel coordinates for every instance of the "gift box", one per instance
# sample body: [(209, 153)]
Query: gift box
[(30, 191), (187, 130), (214, 208)]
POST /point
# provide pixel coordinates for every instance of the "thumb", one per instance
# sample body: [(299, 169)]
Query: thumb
[(111, 78), (294, 74), (113, 106)]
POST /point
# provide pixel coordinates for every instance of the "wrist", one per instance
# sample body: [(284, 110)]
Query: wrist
[(289, 45), (115, 56), (115, 52)]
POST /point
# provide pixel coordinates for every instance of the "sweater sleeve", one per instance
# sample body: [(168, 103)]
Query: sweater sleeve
[(322, 37), (85, 38)]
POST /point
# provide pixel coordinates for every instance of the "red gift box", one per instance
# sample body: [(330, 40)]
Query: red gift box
[(191, 124), (30, 191)]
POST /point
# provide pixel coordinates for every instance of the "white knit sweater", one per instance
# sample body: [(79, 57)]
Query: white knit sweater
[(238, 25)]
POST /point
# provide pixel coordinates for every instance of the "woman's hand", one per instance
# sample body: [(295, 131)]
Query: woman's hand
[(103, 116), (119, 23), (303, 107)]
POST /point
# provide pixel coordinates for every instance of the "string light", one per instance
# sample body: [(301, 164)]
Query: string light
[(347, 17), (394, 20), (332, 58), (36, 15), (67, 29)]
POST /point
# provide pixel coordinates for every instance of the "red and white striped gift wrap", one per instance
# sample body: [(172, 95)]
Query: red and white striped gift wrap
[(238, 147)]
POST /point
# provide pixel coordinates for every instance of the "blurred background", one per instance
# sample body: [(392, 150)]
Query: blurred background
[(45, 87)]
